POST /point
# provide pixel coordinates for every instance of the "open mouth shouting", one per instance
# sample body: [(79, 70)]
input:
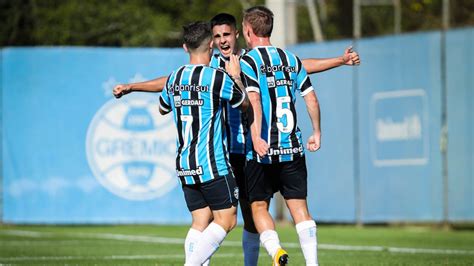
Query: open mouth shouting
[(225, 49)]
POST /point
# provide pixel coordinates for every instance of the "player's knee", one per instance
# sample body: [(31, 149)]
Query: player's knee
[(227, 219), (199, 225), (258, 206), (227, 223), (201, 222)]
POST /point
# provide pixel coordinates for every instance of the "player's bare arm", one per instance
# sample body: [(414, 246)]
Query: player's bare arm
[(255, 120), (315, 65), (232, 68), (154, 85), (312, 105)]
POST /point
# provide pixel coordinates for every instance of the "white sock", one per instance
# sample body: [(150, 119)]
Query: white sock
[(209, 242), (270, 241), (308, 241), (251, 246), (192, 238)]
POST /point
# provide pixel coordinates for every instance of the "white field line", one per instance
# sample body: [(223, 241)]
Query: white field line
[(168, 240), (115, 257)]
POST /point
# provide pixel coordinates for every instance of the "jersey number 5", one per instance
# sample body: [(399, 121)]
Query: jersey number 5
[(281, 112)]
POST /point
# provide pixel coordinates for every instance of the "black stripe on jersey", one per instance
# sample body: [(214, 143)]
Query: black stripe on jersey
[(221, 62), (225, 116), (307, 82), (300, 65), (164, 105), (196, 123), (250, 82), (216, 92), (226, 148), (179, 126), (237, 96), (273, 120), (243, 115), (293, 138), (306, 85), (250, 62)]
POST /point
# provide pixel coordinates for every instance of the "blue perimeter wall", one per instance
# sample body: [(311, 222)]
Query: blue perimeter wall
[(71, 153)]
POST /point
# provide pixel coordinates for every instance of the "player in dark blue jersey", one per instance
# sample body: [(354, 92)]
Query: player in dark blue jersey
[(275, 156), (195, 94)]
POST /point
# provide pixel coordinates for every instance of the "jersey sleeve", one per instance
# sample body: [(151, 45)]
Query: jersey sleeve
[(214, 61), (231, 92), (303, 81), (250, 74), (165, 101)]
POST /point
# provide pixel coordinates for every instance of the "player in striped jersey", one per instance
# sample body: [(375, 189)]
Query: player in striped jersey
[(195, 94), (275, 156), (225, 34)]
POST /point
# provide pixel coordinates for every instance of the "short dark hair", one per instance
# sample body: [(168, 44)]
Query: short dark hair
[(260, 20), (223, 19), (196, 34)]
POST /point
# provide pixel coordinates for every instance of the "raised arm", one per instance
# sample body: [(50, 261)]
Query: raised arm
[(315, 65), (312, 105), (154, 85)]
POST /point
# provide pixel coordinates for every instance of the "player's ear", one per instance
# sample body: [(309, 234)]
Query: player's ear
[(211, 44), (237, 33), (185, 48), (246, 30), (249, 31)]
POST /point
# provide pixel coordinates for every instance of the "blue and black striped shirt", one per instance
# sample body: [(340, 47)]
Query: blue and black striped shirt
[(277, 75), (196, 94), (235, 119)]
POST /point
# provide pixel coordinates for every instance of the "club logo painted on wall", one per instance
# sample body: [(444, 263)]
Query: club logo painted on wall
[(399, 128), (131, 148)]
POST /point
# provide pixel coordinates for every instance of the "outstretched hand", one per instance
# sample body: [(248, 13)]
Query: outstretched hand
[(121, 90), (314, 142), (351, 57)]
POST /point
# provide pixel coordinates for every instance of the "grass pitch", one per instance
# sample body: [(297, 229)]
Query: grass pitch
[(163, 245)]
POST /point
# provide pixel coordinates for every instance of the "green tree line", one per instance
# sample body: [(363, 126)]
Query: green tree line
[(158, 23)]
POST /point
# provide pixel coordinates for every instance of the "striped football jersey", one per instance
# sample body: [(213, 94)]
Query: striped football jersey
[(235, 119), (195, 94), (276, 75)]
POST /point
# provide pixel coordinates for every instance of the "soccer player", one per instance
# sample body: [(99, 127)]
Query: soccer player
[(276, 161), (225, 35), (195, 94)]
